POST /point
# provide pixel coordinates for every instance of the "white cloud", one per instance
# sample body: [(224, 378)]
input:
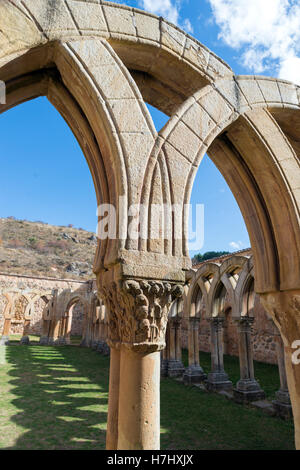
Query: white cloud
[(268, 30), (236, 245), (169, 10), (187, 26)]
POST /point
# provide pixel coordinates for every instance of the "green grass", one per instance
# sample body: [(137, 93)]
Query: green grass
[(56, 398)]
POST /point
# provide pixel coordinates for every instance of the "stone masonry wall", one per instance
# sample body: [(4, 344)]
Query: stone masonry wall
[(18, 285)]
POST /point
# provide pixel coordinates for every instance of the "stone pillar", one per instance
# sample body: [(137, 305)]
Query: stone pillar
[(5, 333), (282, 403), (68, 327), (137, 318), (85, 342), (54, 323), (60, 340), (175, 366), (217, 379), (56, 326), (113, 399), (25, 337), (45, 332), (194, 373), (247, 388)]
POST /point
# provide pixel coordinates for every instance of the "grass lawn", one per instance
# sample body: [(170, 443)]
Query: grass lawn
[(56, 398)]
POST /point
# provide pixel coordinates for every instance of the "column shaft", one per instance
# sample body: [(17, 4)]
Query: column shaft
[(139, 401), (113, 400), (247, 388)]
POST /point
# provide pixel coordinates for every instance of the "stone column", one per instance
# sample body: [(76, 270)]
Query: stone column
[(85, 342), (5, 333), (282, 403), (175, 366), (113, 399), (68, 327), (54, 323), (25, 337), (217, 379), (54, 335), (60, 339), (137, 317), (194, 373), (247, 388)]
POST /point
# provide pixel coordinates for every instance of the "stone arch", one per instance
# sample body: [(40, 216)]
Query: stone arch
[(168, 64), (223, 120), (97, 113)]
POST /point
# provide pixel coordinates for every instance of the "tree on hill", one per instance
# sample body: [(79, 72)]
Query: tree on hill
[(208, 255)]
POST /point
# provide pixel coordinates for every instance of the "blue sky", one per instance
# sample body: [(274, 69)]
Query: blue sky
[(44, 174)]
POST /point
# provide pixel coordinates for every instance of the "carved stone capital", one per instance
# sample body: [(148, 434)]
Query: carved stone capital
[(217, 322), (245, 324), (138, 312)]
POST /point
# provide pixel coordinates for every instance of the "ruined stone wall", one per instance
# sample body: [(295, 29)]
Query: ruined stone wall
[(24, 288)]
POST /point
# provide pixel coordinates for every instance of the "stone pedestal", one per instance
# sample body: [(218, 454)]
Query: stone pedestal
[(217, 379), (247, 388), (25, 340), (282, 402), (194, 373), (4, 340), (44, 340), (60, 341), (175, 367)]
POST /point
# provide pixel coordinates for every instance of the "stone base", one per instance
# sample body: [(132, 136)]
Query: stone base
[(61, 342), (247, 391), (4, 340), (44, 340), (217, 381), (194, 375), (25, 340), (106, 350), (84, 344), (103, 348), (282, 404), (175, 369), (164, 368)]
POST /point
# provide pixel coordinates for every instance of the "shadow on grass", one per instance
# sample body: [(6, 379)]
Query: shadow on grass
[(194, 419), (61, 395), (56, 398)]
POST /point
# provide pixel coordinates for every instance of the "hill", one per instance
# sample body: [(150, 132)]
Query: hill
[(39, 249)]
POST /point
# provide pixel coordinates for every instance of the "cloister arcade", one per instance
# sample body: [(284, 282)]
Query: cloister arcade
[(98, 63)]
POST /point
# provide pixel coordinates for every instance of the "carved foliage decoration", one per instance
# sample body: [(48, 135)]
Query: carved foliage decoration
[(138, 312)]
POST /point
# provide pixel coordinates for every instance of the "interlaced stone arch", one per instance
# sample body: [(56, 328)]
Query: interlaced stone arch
[(83, 55)]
